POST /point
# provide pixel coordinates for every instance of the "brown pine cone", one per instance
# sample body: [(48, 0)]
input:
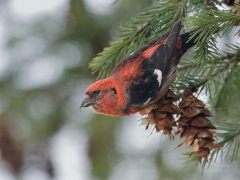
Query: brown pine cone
[(195, 126), (161, 115)]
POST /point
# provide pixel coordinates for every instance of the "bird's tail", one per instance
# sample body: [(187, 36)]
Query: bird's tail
[(185, 44)]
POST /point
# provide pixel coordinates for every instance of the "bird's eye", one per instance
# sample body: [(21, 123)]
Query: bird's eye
[(96, 92), (114, 90)]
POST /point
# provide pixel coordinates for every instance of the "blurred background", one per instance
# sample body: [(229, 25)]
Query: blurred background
[(45, 48)]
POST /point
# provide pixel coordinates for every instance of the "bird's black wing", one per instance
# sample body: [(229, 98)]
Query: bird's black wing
[(155, 68)]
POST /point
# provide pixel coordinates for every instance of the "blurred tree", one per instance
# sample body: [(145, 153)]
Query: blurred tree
[(36, 113)]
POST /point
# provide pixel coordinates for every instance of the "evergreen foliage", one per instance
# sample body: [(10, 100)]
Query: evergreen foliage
[(214, 72)]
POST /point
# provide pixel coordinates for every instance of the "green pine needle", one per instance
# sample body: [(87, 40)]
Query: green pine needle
[(229, 134), (150, 24)]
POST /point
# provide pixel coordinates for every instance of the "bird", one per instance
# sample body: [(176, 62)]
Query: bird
[(140, 80)]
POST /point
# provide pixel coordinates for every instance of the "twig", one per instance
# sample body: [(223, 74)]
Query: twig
[(233, 60)]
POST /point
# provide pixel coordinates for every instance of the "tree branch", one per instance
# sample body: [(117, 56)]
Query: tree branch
[(234, 59)]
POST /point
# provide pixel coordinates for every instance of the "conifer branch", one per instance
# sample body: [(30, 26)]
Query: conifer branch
[(230, 139), (207, 68), (211, 24), (195, 74), (233, 60), (152, 23), (199, 65)]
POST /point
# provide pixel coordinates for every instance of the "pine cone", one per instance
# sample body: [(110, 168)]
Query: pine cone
[(161, 114), (195, 126)]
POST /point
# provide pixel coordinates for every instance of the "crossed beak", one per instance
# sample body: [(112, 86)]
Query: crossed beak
[(86, 102)]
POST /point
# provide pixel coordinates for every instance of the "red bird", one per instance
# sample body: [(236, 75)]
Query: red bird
[(141, 79)]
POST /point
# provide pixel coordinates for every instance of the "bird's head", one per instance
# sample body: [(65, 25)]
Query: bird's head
[(102, 96)]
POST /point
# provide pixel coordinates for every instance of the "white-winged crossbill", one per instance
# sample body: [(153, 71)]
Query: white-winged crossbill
[(142, 78)]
